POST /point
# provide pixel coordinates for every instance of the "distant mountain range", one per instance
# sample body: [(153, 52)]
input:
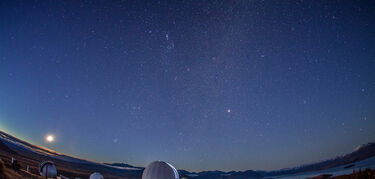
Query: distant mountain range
[(32, 155), (123, 165), (360, 153)]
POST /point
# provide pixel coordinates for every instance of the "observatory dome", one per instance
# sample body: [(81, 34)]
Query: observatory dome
[(96, 175), (48, 168), (160, 170)]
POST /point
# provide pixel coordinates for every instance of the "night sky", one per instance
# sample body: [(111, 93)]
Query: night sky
[(204, 85)]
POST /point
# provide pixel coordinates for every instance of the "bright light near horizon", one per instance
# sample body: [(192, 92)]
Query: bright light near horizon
[(50, 138)]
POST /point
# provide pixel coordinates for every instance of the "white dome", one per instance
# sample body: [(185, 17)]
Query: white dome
[(160, 170), (47, 167), (96, 175)]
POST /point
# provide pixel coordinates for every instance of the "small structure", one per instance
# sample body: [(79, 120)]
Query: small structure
[(48, 169), (160, 170), (96, 175), (15, 165)]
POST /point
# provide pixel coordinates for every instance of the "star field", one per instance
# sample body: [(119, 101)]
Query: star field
[(219, 85)]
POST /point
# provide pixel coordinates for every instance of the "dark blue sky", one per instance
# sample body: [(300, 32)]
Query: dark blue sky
[(204, 85)]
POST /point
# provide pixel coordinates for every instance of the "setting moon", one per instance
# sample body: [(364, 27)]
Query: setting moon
[(50, 138)]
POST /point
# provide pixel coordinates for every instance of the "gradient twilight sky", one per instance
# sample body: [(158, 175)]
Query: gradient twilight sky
[(204, 85)]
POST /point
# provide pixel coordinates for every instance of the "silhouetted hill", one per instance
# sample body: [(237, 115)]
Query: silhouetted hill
[(32, 155), (5, 148), (248, 174), (123, 165), (360, 153)]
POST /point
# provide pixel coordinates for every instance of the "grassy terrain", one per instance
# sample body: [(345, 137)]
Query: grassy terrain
[(6, 173)]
